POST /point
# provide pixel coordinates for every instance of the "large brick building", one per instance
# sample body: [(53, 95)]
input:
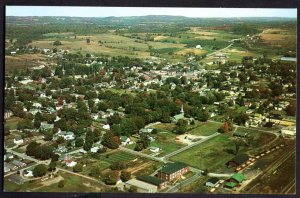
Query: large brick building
[(172, 171)]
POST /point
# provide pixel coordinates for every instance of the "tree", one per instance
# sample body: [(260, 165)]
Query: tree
[(32, 148), (60, 140), (88, 40), (78, 167), (291, 109), (79, 142), (237, 145), (132, 189), (61, 183), (40, 170), (119, 165), (52, 166), (125, 176), (111, 178), (110, 140), (57, 42), (224, 128)]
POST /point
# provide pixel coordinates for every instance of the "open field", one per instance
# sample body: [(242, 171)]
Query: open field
[(22, 61), (205, 128), (211, 154), (12, 122), (107, 44), (214, 153), (119, 156), (73, 183)]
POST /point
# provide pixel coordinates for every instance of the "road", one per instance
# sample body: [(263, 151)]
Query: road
[(141, 154)]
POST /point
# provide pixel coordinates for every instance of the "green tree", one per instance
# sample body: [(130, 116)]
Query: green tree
[(61, 183), (125, 176), (78, 167), (40, 170)]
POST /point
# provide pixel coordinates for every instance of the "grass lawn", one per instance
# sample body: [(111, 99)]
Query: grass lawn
[(166, 146), (258, 138), (209, 155), (119, 156), (73, 183), (205, 128), (12, 122)]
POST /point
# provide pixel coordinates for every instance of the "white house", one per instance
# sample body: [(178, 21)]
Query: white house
[(106, 126), (198, 47), (125, 140), (212, 182), (29, 174), (18, 140), (154, 149), (94, 149), (289, 131), (70, 163)]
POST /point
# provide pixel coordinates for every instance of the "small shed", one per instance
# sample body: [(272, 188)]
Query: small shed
[(212, 182)]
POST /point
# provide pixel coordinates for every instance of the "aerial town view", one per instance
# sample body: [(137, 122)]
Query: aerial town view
[(150, 100)]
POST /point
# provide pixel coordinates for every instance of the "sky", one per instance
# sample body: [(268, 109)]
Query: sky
[(139, 11)]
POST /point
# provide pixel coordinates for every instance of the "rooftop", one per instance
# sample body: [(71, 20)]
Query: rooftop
[(239, 177), (173, 167), (141, 184), (150, 179)]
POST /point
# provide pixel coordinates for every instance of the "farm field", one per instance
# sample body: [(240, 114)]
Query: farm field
[(22, 61)]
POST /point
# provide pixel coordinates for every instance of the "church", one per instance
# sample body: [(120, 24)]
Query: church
[(180, 116)]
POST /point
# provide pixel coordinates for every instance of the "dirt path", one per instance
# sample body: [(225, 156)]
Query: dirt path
[(48, 182), (134, 169)]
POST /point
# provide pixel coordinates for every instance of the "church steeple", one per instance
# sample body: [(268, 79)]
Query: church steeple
[(182, 111)]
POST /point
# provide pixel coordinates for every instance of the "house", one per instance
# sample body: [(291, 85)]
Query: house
[(62, 149), (178, 116), (9, 156), (18, 163), (198, 47), (230, 185), (106, 126), (6, 168), (142, 187), (94, 149), (18, 140), (172, 171), (10, 166), (16, 179), (240, 134), (289, 131), (153, 180), (145, 130), (70, 163), (212, 182), (154, 149), (237, 178), (46, 126), (29, 173), (7, 114), (238, 160), (125, 140)]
